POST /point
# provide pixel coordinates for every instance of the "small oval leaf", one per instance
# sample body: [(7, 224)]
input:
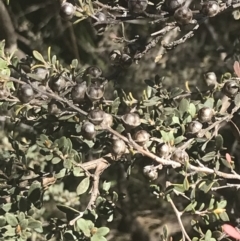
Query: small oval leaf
[(11, 219), (83, 186), (38, 56)]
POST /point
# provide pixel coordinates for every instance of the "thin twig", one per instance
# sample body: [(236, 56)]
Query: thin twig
[(178, 215), (237, 186), (100, 167)]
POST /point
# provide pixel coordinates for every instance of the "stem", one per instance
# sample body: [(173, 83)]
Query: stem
[(179, 214)]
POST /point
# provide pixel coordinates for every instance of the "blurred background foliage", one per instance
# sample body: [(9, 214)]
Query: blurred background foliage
[(37, 25)]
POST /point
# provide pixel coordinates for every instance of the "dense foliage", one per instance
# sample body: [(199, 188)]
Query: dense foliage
[(81, 156)]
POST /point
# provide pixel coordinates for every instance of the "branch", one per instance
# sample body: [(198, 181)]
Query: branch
[(237, 186), (179, 214), (165, 162), (102, 164), (7, 29)]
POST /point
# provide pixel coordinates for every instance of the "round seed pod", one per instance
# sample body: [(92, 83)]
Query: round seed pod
[(163, 150), (194, 127), (25, 93), (67, 11), (93, 72), (96, 116), (210, 79), (41, 73), (183, 15), (131, 120), (137, 6), (101, 16), (180, 156), (95, 92), (230, 88), (78, 92), (107, 120), (126, 61), (100, 24), (118, 147), (88, 130), (141, 137), (57, 83), (210, 8), (172, 5), (150, 172), (205, 114), (115, 57), (54, 107)]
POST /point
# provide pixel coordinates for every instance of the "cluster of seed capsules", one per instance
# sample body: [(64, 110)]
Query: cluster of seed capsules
[(93, 92), (182, 14)]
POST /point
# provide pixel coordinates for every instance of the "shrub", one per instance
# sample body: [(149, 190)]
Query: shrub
[(66, 147)]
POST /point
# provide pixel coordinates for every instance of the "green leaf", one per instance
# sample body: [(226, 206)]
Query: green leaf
[(83, 225), (23, 204), (114, 197), (83, 186), (7, 207), (38, 56), (186, 184), (192, 110), (151, 102), (184, 106), (208, 235), (224, 216), (21, 216), (35, 225), (69, 236), (67, 209), (149, 82), (222, 204), (209, 103), (2, 221), (209, 156), (219, 142), (56, 160), (78, 172), (179, 139), (201, 207), (165, 232), (179, 188), (34, 193), (189, 207), (106, 186), (115, 105), (175, 120), (225, 163), (175, 91), (61, 173), (211, 203), (167, 136), (10, 231), (67, 163), (207, 186), (74, 63), (49, 157), (103, 231), (23, 224), (97, 238), (11, 219)]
